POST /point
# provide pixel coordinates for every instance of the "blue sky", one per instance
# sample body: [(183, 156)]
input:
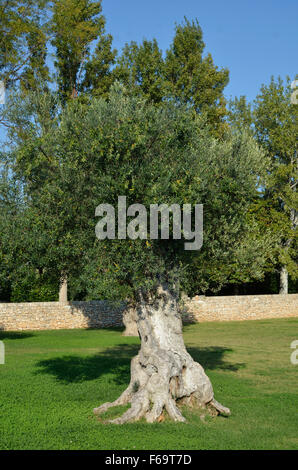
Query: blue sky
[(253, 39)]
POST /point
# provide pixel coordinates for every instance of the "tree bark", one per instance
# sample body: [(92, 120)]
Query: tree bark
[(283, 281), (130, 322), (163, 374), (63, 289), (284, 276)]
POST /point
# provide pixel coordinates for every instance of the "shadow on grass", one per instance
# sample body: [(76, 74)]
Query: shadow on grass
[(116, 361), (76, 369), (14, 335), (213, 358)]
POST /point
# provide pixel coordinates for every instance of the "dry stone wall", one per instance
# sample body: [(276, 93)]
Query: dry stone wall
[(102, 314)]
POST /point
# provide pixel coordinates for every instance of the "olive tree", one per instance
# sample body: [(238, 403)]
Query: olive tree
[(95, 152)]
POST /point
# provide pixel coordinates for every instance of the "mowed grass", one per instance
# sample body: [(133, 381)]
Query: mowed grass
[(52, 380)]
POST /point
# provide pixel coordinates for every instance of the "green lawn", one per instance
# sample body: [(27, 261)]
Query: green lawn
[(52, 380)]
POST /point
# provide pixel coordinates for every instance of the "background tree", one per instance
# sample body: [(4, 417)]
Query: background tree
[(276, 128), (75, 25), (98, 76), (272, 120), (22, 173), (23, 36), (240, 114), (194, 79), (184, 74), (9, 208), (141, 69), (74, 28)]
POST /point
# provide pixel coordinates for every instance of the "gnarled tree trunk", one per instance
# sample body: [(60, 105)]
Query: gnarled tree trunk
[(283, 281), (163, 373), (130, 322), (284, 275), (63, 288)]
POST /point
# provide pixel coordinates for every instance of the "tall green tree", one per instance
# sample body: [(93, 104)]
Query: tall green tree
[(184, 74), (74, 28), (98, 74), (76, 25), (240, 114), (9, 209), (152, 155), (141, 69), (193, 78), (272, 120), (36, 74), (276, 129), (22, 37)]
